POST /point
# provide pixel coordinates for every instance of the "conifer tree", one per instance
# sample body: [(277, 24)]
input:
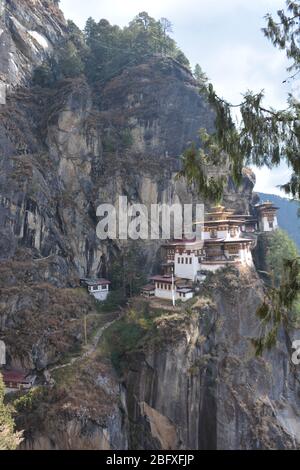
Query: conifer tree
[(263, 137)]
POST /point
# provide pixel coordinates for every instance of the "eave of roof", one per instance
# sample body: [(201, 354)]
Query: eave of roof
[(96, 282), (15, 376), (149, 287)]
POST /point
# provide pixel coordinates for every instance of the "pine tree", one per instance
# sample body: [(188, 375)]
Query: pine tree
[(280, 248), (69, 63), (200, 76), (103, 50), (264, 137)]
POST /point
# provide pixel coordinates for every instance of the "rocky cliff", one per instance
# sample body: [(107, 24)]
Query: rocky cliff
[(29, 31), (188, 379), (64, 151), (85, 409), (198, 385)]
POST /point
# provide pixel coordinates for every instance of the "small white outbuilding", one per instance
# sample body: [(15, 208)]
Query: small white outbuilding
[(99, 288)]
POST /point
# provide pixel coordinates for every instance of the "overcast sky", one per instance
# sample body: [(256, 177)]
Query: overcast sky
[(223, 36)]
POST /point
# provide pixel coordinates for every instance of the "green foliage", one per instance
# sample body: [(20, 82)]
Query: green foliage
[(280, 249), (198, 169), (76, 36), (68, 60), (264, 136), (127, 334), (282, 301), (69, 63), (181, 58), (284, 33), (201, 79), (9, 439), (280, 304), (114, 301), (28, 401), (103, 50), (112, 48), (127, 271), (109, 143), (43, 76), (126, 138), (295, 313)]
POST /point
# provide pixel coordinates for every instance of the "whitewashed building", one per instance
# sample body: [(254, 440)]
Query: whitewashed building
[(227, 240), (267, 216), (223, 243), (98, 288), (182, 258), (170, 288), (148, 290)]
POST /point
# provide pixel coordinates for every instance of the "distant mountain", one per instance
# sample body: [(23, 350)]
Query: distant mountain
[(287, 215)]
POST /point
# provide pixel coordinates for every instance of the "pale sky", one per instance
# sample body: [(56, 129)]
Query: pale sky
[(224, 37)]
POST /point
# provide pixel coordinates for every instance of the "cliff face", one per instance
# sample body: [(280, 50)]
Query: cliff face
[(29, 31), (64, 151), (64, 154), (192, 383), (85, 410), (200, 386)]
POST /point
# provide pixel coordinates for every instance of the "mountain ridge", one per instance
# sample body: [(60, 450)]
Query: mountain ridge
[(287, 215)]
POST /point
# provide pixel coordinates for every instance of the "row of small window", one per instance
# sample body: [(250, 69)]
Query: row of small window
[(164, 286), (214, 233), (97, 288), (184, 260)]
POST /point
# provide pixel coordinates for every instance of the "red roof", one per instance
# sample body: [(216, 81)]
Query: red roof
[(103, 281), (166, 279), (149, 287), (14, 376)]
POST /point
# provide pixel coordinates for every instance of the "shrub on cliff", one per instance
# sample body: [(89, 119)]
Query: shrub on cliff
[(280, 248), (103, 50), (281, 306), (9, 439)]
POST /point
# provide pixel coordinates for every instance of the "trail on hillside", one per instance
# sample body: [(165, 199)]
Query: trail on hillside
[(91, 347)]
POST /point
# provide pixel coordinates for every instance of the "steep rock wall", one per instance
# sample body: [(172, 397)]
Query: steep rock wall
[(29, 30), (66, 151), (202, 378), (84, 410)]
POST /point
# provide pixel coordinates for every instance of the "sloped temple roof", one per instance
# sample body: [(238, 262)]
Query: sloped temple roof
[(95, 282)]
